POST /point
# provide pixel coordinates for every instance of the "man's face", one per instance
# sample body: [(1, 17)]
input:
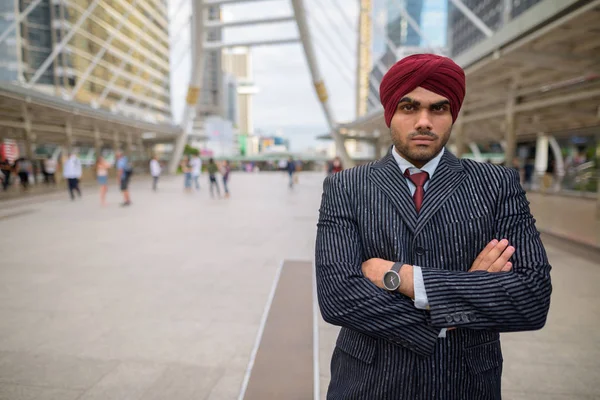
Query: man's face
[(421, 126)]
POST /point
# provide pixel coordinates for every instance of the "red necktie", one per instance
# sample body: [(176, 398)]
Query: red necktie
[(419, 180)]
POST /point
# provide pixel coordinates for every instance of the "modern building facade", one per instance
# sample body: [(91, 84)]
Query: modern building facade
[(463, 34), (238, 62), (109, 54), (399, 30), (394, 37)]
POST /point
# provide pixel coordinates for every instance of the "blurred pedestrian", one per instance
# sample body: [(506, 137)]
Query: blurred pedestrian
[(102, 167), (124, 173), (291, 169), (212, 176), (196, 165), (72, 173), (225, 174), (24, 168), (336, 165), (155, 171), (50, 170), (186, 168), (5, 168)]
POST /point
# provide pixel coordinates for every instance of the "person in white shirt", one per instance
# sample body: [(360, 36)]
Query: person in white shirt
[(196, 164), (155, 171), (72, 173), (50, 170)]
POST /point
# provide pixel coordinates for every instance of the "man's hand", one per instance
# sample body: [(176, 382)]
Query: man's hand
[(494, 257), (375, 268)]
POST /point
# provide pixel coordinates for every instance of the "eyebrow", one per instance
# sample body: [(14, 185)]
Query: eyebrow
[(418, 103), (440, 103)]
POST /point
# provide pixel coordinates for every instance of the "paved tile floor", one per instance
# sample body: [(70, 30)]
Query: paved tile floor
[(163, 300)]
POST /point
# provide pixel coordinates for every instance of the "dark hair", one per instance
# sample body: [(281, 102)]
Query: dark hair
[(211, 160)]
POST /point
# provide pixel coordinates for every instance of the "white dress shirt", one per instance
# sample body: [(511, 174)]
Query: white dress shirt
[(155, 168), (72, 168), (196, 164), (421, 301)]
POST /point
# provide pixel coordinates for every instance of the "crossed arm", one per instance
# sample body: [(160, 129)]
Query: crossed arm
[(504, 296)]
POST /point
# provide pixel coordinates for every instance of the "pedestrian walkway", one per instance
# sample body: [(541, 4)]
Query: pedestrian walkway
[(165, 299)]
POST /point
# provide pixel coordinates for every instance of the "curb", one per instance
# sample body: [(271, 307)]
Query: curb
[(571, 245)]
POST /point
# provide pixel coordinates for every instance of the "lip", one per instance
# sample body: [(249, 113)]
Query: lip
[(422, 140)]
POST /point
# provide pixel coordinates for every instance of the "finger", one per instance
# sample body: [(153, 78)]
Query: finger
[(502, 260), (507, 267), (493, 255), (482, 254)]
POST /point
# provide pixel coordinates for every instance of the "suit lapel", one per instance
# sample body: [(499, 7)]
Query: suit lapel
[(386, 174), (446, 179)]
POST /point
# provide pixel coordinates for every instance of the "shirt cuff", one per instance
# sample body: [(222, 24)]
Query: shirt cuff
[(443, 333), (421, 301)]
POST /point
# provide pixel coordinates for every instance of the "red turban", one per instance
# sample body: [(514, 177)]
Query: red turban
[(438, 74)]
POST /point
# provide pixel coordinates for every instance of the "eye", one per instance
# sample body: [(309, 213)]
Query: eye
[(407, 107), (440, 108)]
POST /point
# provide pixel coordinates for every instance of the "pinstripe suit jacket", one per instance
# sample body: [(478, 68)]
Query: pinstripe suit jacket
[(388, 349)]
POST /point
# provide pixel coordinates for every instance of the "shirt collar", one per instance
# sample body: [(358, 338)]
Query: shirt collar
[(430, 167)]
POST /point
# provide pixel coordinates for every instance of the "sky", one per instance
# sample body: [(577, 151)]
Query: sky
[(286, 102)]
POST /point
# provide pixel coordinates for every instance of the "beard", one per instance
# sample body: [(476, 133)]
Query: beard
[(416, 153)]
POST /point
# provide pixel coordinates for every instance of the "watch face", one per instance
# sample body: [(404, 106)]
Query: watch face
[(391, 280)]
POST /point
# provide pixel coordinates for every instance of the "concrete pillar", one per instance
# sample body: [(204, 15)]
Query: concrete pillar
[(68, 137), (383, 143), (541, 159), (506, 12), (29, 139), (129, 145), (141, 148), (97, 142), (458, 133), (598, 178), (116, 145), (559, 163), (510, 133)]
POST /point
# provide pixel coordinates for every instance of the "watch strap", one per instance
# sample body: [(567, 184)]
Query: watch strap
[(396, 267)]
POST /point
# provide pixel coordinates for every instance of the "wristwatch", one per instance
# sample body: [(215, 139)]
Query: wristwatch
[(391, 279)]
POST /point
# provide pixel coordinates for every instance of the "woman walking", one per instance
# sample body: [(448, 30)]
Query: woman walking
[(102, 167), (225, 170), (212, 176), (186, 168)]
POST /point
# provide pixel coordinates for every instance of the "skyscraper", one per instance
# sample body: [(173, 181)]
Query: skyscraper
[(117, 58), (399, 29), (238, 62), (394, 37)]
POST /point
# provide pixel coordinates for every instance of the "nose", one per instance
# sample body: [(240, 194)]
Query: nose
[(423, 122)]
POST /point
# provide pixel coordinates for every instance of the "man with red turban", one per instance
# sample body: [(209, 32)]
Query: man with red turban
[(423, 258)]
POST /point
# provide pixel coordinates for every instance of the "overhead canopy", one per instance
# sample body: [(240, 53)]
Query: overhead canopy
[(551, 53), (49, 115)]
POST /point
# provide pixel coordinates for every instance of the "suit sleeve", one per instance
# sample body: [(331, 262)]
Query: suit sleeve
[(506, 301), (346, 297)]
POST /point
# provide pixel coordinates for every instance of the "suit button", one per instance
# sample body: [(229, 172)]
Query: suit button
[(465, 317), (420, 251), (457, 317), (449, 318)]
